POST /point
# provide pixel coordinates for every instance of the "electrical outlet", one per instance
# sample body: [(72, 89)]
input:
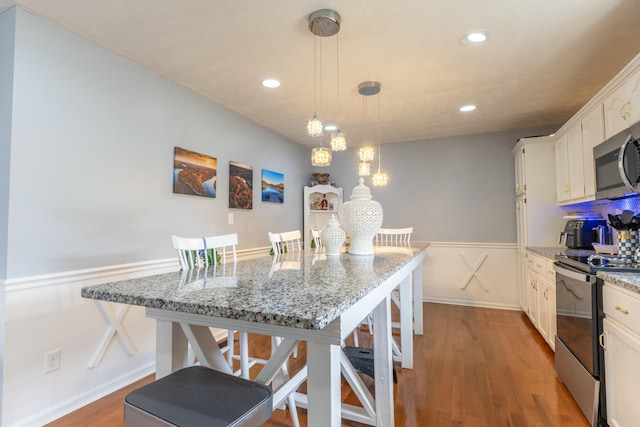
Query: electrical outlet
[(52, 361)]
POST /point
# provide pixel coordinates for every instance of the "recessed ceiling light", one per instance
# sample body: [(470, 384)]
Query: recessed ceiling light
[(475, 37), (330, 128), (271, 83), (467, 108)]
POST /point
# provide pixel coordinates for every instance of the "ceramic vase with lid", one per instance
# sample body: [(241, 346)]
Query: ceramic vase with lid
[(332, 237), (361, 218)]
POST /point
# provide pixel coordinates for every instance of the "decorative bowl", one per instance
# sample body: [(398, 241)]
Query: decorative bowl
[(321, 177)]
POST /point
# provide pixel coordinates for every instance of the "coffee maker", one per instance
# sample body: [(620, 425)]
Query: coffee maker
[(580, 233)]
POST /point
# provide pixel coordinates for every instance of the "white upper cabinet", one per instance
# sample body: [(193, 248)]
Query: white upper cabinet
[(622, 106), (575, 169), (563, 185), (569, 165), (615, 108), (592, 135), (576, 164), (521, 185)]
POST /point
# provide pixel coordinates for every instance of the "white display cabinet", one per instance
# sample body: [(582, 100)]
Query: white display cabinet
[(315, 218)]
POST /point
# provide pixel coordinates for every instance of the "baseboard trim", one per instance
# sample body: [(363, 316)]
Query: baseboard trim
[(77, 402), (452, 301), (472, 245)]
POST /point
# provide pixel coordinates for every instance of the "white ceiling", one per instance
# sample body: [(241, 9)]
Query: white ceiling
[(543, 60)]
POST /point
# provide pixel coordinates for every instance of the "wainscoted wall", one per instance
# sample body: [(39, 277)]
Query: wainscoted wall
[(474, 274), (46, 312), (86, 149)]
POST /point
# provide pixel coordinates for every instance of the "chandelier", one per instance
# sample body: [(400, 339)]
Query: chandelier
[(323, 23)]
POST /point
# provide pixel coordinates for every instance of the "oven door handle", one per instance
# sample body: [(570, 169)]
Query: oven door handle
[(576, 275)]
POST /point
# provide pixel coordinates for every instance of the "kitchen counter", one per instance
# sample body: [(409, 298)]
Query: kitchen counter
[(547, 251), (550, 252), (629, 281)]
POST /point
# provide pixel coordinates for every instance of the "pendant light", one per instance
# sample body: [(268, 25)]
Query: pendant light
[(314, 125), (338, 139), (364, 169), (367, 153), (379, 179), (321, 156), (323, 23)]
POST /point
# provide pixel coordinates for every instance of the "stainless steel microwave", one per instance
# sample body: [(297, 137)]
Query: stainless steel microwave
[(617, 162)]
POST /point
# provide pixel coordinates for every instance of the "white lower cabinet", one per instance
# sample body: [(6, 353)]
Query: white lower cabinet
[(621, 339), (547, 309), (541, 279)]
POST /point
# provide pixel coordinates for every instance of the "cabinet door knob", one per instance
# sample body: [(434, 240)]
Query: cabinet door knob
[(622, 310), (601, 340)]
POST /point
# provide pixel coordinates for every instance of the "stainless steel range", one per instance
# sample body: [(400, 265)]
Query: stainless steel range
[(579, 358)]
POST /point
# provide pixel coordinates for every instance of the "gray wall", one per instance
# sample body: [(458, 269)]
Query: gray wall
[(7, 30), (457, 189), (92, 158)]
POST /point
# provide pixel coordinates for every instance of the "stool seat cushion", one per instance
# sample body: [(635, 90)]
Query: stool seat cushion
[(198, 396), (362, 360)]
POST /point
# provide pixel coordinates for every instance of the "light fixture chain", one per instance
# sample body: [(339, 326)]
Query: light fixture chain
[(338, 80), (315, 75), (378, 131), (320, 72)]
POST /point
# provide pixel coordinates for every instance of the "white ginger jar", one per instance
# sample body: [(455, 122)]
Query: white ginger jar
[(332, 237), (361, 218)]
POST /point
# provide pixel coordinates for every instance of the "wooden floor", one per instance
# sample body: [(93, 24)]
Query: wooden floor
[(473, 367)]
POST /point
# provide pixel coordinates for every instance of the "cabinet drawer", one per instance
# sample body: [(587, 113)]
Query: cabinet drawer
[(531, 261), (549, 272), (539, 264), (623, 306)]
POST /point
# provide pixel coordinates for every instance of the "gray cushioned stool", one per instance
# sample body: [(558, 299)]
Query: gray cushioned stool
[(199, 397), (362, 360)]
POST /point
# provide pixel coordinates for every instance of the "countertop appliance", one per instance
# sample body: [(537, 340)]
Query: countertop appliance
[(617, 163), (582, 232), (579, 359)]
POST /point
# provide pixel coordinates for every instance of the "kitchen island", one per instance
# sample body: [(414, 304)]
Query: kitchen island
[(312, 298)]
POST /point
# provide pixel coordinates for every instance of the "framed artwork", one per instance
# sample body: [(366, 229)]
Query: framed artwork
[(194, 173), (240, 186), (272, 186)]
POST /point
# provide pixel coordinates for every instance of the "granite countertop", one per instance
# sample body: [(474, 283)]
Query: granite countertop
[(550, 252), (307, 290), (546, 252), (630, 281)]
